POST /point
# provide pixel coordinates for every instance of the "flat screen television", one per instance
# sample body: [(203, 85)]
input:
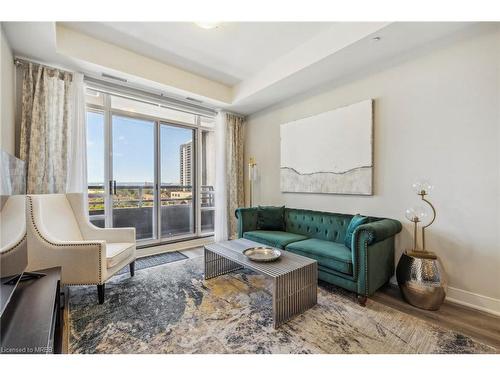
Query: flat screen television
[(13, 250)]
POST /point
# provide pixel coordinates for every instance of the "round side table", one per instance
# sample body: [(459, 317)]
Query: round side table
[(422, 279)]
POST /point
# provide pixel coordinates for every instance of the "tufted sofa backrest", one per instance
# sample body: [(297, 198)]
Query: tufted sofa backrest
[(327, 226)]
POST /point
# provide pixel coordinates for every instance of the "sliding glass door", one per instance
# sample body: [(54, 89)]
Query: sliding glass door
[(207, 183), (132, 186), (177, 150), (96, 162), (150, 172)]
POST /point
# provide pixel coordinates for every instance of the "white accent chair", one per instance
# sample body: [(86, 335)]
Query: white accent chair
[(13, 252), (60, 234)]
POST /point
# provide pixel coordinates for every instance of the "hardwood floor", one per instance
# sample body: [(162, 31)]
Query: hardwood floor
[(479, 325)]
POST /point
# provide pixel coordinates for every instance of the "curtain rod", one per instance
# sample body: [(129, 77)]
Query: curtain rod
[(234, 114), (190, 107), (22, 60)]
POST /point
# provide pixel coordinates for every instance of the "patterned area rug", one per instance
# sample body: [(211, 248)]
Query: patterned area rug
[(171, 309), (153, 260)]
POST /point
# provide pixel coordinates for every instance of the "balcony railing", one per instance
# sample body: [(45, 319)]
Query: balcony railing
[(133, 206)]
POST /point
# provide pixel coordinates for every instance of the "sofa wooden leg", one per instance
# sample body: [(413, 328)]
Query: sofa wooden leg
[(362, 300), (132, 268), (100, 293)]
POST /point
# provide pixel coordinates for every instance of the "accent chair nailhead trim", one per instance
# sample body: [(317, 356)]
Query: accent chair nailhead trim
[(66, 245), (16, 245)]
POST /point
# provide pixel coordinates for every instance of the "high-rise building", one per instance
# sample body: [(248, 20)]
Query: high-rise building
[(185, 163)]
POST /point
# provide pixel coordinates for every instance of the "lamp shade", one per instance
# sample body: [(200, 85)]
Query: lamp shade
[(415, 214), (422, 186), (252, 172)]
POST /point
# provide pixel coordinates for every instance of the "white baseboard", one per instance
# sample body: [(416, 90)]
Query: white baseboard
[(177, 246), (474, 300), (469, 299)]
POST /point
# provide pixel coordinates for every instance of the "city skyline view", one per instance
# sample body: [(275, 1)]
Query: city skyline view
[(133, 150)]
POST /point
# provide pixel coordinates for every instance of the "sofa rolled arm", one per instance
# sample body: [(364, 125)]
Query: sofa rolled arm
[(247, 219), (380, 230), (372, 256)]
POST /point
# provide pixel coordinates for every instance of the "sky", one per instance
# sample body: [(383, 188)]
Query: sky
[(133, 150)]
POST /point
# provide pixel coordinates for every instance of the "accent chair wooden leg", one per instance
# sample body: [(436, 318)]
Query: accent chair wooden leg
[(100, 293), (132, 268), (362, 300)]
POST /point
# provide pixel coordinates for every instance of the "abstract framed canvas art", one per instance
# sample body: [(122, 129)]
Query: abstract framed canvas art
[(331, 152)]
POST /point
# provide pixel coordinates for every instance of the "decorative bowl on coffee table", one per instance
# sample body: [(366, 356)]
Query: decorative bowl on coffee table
[(262, 254)]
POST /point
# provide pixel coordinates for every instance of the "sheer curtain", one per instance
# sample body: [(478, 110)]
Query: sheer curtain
[(77, 171), (221, 226), (229, 189)]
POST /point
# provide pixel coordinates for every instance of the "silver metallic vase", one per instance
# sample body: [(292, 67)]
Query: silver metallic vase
[(422, 279)]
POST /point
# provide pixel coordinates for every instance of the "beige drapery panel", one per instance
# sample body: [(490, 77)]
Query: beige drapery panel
[(45, 117), (234, 165)]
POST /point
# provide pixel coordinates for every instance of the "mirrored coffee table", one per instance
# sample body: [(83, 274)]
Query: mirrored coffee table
[(295, 278)]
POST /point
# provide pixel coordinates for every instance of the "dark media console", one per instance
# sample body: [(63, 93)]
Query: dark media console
[(32, 320)]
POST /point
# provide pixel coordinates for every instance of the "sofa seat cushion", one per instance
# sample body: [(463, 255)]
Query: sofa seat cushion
[(274, 238), (118, 252), (328, 254)]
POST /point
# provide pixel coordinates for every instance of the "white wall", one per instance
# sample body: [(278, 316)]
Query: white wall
[(7, 95), (436, 116)]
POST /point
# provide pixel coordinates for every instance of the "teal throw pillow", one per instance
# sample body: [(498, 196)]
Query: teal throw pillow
[(271, 218), (356, 221)]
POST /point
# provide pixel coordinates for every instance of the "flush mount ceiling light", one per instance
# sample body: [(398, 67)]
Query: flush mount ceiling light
[(376, 39), (207, 25)]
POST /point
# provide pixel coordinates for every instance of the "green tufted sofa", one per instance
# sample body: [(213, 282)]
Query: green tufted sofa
[(320, 235)]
